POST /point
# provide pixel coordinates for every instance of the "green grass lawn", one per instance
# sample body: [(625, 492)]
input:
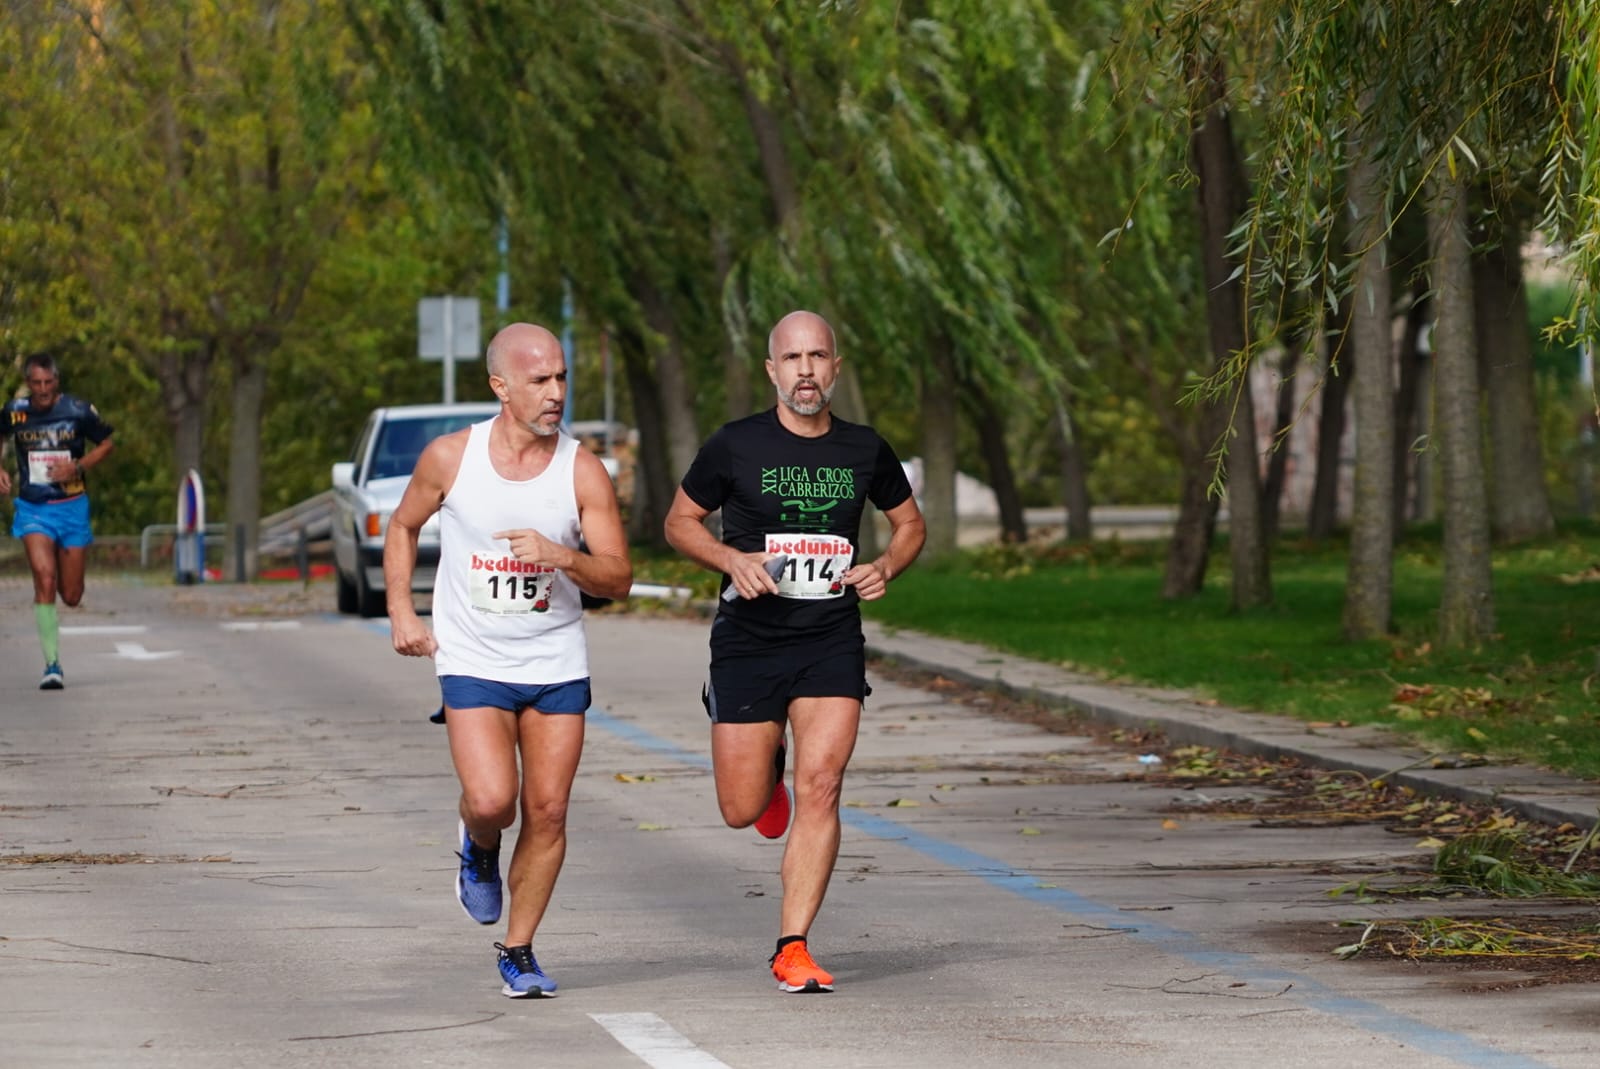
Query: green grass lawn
[(1533, 693)]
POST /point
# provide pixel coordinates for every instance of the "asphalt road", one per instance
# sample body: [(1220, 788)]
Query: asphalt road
[(229, 840)]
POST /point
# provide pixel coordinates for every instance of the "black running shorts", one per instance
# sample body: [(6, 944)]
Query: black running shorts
[(754, 683)]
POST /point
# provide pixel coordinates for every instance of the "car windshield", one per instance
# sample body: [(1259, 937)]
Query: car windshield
[(400, 441)]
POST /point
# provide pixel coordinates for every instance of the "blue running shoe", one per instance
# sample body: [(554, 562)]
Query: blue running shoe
[(523, 977), (53, 679), (478, 882)]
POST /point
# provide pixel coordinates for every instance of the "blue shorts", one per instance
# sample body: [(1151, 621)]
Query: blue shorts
[(64, 522), (470, 692)]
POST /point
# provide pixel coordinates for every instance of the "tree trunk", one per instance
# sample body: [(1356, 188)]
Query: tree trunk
[(782, 190), (850, 402), (672, 382), (247, 396), (939, 418), (1409, 413), (1074, 477), (990, 425), (1322, 518), (738, 344), (1369, 574), (1222, 196), (1519, 499), (653, 486), (1466, 608), (1247, 544), (1189, 552), (1282, 423), (185, 387)]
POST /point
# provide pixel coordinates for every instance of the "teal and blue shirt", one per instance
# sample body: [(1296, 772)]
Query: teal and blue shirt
[(65, 431)]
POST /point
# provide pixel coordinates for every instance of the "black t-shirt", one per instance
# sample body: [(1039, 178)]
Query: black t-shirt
[(64, 431), (804, 497)]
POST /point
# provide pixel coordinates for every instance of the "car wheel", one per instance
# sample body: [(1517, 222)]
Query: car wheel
[(369, 602), (348, 597)]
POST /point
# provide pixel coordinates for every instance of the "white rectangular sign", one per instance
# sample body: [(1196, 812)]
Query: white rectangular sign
[(448, 322)]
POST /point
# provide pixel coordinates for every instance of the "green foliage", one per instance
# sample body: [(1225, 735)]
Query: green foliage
[(1555, 355), (1496, 863), (1008, 178), (193, 199), (1570, 458), (1132, 462)]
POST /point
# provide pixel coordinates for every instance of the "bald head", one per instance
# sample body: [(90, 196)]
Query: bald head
[(519, 339), (798, 325)]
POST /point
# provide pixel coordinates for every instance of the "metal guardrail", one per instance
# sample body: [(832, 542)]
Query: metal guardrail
[(167, 528), (286, 531), (311, 518)]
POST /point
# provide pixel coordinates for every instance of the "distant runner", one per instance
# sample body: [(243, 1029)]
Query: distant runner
[(57, 438)]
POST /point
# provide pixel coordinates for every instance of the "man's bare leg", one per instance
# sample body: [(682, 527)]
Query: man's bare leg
[(43, 563), (551, 745), (70, 565), (41, 551), (741, 762), (824, 738), (483, 748)]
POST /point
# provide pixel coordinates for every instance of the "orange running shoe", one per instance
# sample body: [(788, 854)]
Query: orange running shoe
[(796, 972), (775, 821)]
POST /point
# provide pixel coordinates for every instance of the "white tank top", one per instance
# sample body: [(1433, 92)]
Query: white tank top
[(494, 616)]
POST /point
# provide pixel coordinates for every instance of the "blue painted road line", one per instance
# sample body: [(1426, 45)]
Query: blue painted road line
[(645, 741)]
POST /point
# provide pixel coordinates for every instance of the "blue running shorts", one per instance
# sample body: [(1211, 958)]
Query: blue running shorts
[(64, 522), (470, 692)]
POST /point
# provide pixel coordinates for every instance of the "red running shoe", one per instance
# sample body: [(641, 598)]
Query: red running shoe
[(797, 973), (775, 821)]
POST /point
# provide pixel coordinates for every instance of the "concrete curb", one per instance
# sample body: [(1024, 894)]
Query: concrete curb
[(1531, 793)]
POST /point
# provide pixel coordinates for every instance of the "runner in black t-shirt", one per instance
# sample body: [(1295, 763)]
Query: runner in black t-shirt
[(57, 438), (792, 483)]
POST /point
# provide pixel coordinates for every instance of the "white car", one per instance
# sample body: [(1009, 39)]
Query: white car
[(368, 486)]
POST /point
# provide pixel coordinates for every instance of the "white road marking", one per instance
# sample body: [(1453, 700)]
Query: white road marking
[(105, 629), (261, 625), (655, 1041), (135, 651)]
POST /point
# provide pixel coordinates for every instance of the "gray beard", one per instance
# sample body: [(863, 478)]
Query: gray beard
[(809, 408)]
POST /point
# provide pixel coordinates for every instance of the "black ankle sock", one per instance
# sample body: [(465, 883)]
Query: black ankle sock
[(786, 940)]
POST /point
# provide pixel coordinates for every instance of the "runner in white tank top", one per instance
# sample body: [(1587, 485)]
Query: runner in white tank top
[(494, 616), (515, 496)]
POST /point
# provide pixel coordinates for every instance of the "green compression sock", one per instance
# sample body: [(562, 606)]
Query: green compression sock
[(44, 618)]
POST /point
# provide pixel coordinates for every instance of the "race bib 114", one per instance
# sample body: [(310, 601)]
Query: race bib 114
[(816, 566)]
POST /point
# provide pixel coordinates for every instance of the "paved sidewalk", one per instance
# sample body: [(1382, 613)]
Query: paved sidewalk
[(1532, 793)]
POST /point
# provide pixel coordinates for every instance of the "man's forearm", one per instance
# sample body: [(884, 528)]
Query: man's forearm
[(399, 565), (603, 576), (690, 538), (905, 544), (93, 457)]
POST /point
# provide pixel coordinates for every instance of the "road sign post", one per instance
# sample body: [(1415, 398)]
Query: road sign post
[(189, 551), (448, 330)]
